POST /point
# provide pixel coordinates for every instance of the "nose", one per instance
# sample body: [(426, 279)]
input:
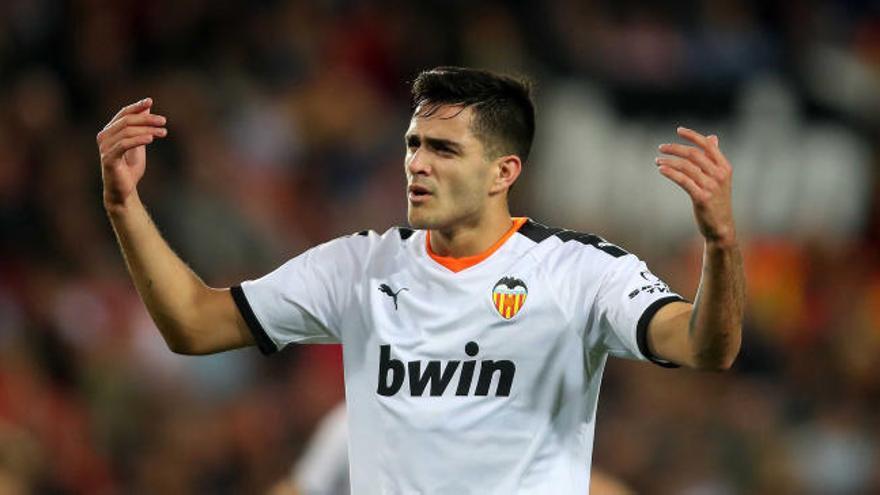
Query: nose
[(417, 163)]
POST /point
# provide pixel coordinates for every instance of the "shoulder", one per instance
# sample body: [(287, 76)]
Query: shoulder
[(368, 243), (353, 253), (565, 241), (396, 234)]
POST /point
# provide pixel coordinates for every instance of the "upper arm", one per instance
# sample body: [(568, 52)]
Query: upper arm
[(628, 300), (304, 300), (217, 325), (669, 334)]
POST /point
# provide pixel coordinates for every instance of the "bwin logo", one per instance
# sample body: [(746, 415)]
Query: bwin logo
[(437, 376)]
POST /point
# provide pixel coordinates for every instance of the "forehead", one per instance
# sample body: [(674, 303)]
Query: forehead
[(451, 122)]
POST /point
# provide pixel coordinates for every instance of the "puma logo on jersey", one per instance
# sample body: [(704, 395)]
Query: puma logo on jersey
[(509, 296), (436, 376), (388, 291)]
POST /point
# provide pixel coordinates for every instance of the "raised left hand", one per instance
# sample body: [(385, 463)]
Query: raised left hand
[(706, 175)]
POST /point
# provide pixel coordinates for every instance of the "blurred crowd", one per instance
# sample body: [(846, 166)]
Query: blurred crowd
[(285, 130)]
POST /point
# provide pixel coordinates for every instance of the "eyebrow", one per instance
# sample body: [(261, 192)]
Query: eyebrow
[(437, 143)]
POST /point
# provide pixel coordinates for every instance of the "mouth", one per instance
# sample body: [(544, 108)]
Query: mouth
[(418, 193)]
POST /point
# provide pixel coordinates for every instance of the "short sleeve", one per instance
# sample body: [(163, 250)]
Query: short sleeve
[(303, 300), (628, 298)]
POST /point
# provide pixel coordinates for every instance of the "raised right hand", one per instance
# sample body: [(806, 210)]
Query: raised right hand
[(122, 146)]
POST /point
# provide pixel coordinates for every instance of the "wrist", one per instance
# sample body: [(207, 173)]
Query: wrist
[(722, 243), (117, 207), (719, 236)]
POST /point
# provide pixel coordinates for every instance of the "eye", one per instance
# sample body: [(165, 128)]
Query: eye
[(412, 143), (443, 150)]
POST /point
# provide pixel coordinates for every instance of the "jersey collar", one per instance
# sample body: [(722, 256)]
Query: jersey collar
[(458, 264)]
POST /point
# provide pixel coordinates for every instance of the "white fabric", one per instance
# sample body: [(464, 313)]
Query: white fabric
[(530, 429), (323, 467)]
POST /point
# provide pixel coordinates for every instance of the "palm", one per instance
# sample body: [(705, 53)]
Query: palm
[(702, 170), (122, 175), (134, 162), (122, 144)]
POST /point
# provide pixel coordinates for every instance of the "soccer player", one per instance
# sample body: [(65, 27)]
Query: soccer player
[(322, 469), (474, 342)]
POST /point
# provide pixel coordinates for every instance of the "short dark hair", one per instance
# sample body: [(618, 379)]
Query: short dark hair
[(504, 114)]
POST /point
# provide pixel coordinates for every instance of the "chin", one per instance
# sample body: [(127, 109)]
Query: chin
[(419, 220)]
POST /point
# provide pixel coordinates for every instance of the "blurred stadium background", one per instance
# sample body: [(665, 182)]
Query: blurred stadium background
[(286, 122)]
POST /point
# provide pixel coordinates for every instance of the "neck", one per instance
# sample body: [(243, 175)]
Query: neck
[(471, 239)]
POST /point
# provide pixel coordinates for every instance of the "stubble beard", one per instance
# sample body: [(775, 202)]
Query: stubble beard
[(419, 219), (422, 218)]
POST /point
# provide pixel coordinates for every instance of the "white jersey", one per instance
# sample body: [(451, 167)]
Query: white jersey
[(467, 376)]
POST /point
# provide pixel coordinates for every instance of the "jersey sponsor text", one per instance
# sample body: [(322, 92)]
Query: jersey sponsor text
[(435, 376)]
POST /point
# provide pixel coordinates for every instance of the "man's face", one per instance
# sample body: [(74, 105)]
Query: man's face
[(447, 173)]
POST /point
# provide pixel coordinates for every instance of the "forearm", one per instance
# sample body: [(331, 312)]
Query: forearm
[(716, 322), (168, 288)]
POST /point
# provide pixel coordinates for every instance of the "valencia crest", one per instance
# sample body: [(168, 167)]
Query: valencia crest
[(509, 296)]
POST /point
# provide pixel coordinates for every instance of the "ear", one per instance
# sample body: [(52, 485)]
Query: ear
[(506, 171)]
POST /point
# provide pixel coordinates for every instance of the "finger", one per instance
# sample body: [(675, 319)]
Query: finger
[(682, 180), (692, 135), (688, 168), (716, 153), (116, 152), (132, 131), (127, 129), (708, 144), (135, 107), (698, 157), (141, 119)]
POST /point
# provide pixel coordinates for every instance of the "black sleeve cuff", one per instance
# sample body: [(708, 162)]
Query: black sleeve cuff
[(264, 343), (642, 330)]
